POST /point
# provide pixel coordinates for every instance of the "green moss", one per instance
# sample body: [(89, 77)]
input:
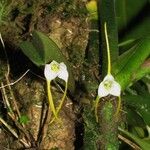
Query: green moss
[(108, 124), (91, 133), (67, 8), (108, 111), (5, 7)]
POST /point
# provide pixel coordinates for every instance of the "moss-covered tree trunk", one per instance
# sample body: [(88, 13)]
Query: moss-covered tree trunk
[(108, 124), (108, 105)]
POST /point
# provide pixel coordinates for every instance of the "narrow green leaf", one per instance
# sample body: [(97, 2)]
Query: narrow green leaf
[(140, 104), (138, 131), (140, 30), (123, 59), (128, 63), (142, 143), (126, 10), (143, 70), (133, 117)]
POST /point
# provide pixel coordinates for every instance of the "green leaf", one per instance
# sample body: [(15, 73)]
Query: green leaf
[(122, 60), (138, 131), (42, 50), (129, 62), (140, 30), (140, 104), (127, 10), (134, 118), (143, 70), (142, 143), (32, 53), (24, 119)]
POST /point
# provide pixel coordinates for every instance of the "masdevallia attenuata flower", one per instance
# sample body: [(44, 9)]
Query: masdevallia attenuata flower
[(55, 69), (52, 71), (109, 86)]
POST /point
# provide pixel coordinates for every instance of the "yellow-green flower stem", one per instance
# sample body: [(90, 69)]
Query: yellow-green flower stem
[(108, 73), (109, 65), (61, 102), (96, 105), (108, 49), (50, 98), (63, 98)]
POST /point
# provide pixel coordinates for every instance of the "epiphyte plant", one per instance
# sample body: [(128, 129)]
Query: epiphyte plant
[(43, 52), (51, 71), (108, 85)]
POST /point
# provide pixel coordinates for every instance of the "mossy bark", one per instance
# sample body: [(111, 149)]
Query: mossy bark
[(65, 22), (108, 123)]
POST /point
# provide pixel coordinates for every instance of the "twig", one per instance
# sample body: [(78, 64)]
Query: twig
[(37, 75), (25, 142), (23, 130), (133, 145), (2, 41), (8, 127), (12, 116), (45, 126), (13, 97), (12, 131), (44, 115), (16, 80), (5, 98), (8, 68)]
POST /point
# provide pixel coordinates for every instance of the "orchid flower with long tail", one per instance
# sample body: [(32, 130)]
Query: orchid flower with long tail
[(108, 85), (52, 71)]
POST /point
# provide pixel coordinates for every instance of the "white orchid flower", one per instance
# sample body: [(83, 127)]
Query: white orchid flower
[(54, 69), (51, 71), (109, 86)]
